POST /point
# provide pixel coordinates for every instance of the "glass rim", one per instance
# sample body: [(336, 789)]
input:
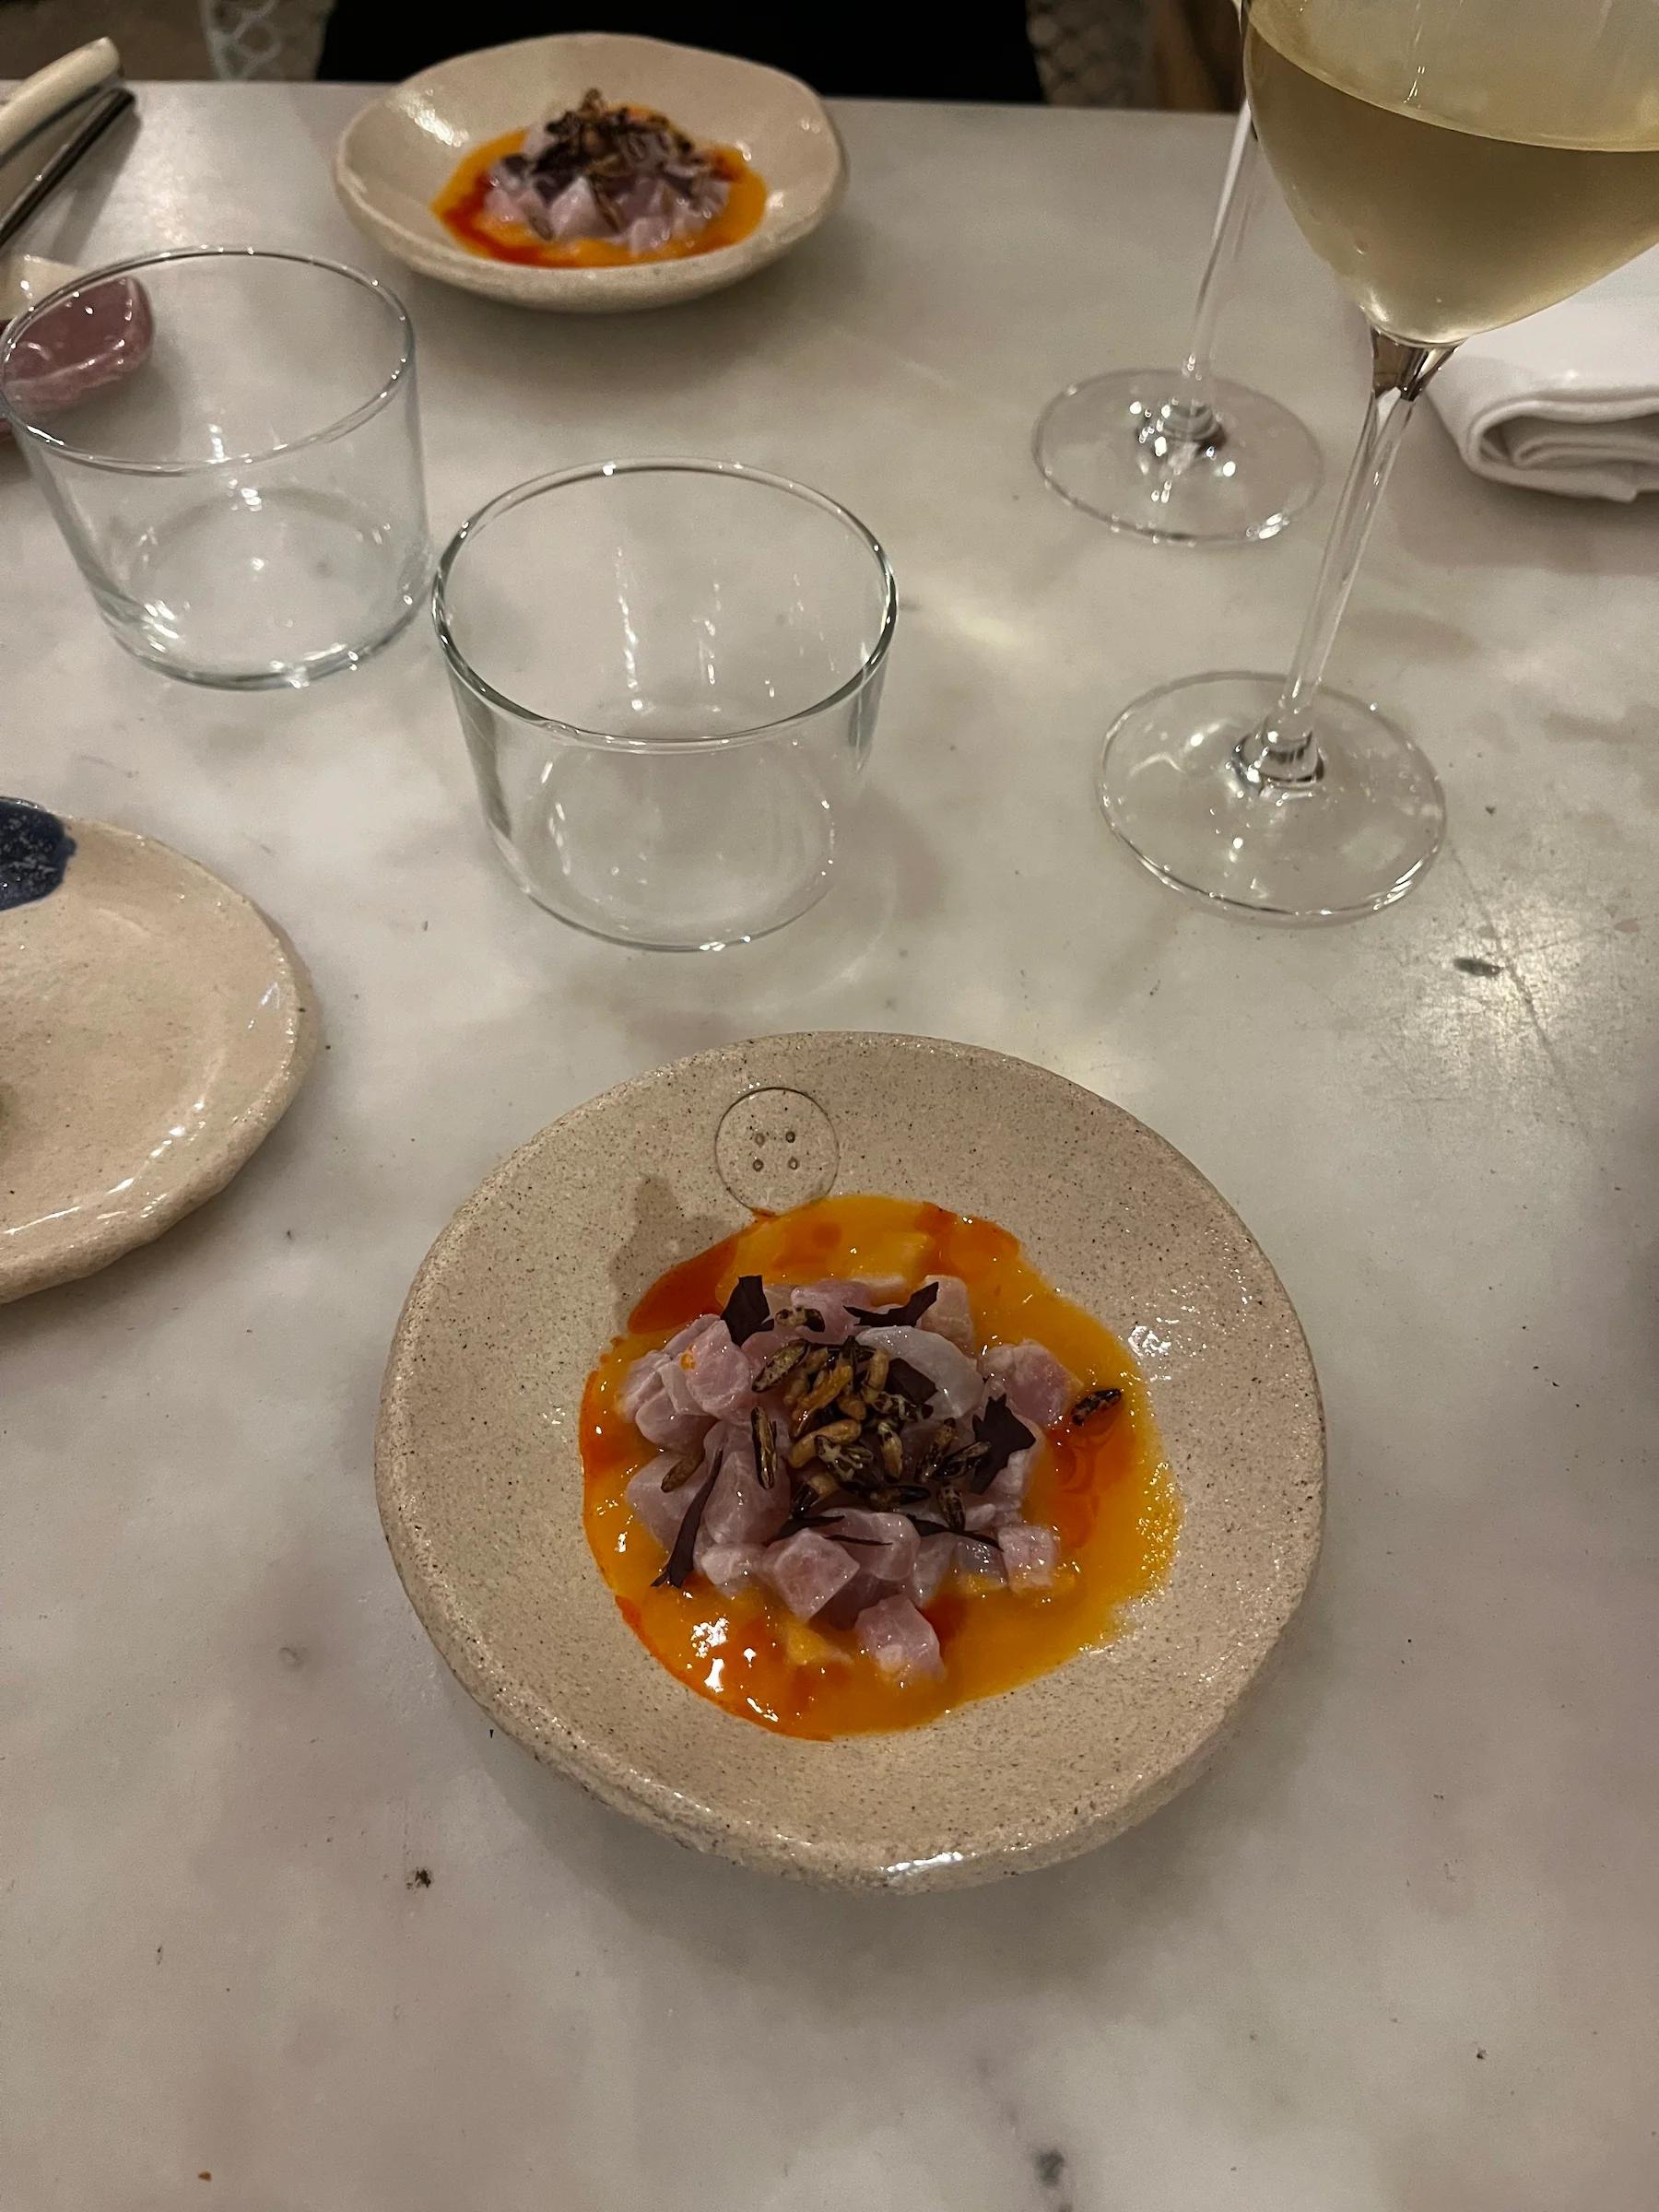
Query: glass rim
[(462, 671), (341, 427)]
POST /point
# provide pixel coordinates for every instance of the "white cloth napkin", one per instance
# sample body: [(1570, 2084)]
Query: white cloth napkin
[(1567, 400)]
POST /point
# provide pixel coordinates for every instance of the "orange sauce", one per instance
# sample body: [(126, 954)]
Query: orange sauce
[(460, 208), (1105, 1488)]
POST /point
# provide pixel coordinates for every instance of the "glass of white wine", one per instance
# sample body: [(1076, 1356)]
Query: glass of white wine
[(1458, 167), (1181, 456)]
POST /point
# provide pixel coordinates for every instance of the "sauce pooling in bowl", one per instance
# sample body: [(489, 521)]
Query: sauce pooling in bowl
[(1102, 1484)]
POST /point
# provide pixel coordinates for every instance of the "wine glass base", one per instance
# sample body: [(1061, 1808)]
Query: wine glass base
[(1097, 444), (1354, 839)]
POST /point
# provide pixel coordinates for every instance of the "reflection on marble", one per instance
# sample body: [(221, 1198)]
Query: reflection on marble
[(1395, 1953)]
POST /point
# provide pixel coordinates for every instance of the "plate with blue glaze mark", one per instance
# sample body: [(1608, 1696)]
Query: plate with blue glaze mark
[(153, 1027)]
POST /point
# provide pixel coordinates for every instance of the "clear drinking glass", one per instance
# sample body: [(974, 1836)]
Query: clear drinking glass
[(1183, 455), (229, 441), (667, 673), (1458, 168)]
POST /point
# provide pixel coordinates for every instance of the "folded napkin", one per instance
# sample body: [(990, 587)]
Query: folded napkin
[(1567, 400)]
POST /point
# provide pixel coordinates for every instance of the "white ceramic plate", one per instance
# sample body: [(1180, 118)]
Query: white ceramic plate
[(156, 1026), (398, 155), (478, 1468)]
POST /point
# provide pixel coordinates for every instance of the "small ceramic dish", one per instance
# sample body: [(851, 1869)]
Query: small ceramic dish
[(480, 1486), (156, 1028), (399, 153), (25, 280)]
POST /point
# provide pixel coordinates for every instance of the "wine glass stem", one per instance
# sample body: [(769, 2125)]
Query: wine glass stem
[(1189, 417), (1285, 749)]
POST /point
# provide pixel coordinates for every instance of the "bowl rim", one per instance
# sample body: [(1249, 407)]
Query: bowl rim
[(433, 254), (88, 1246), (605, 1771), (610, 741)]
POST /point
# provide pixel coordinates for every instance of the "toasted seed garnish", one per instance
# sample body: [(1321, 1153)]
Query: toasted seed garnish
[(766, 1446), (850, 1461), (936, 1452), (836, 1432), (884, 1498), (1093, 1402), (804, 1449), (853, 1406), (828, 1387), (952, 1510), (960, 1465), (773, 1370), (876, 1370), (811, 1364), (820, 1483), (683, 1470), (890, 1405), (891, 1445)]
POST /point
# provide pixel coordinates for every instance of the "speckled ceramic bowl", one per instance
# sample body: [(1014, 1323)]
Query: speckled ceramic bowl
[(154, 1027), (480, 1485), (402, 149)]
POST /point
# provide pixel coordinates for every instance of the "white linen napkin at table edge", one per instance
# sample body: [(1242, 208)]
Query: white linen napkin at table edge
[(1567, 400)]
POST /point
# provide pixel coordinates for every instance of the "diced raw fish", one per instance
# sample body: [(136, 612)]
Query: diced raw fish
[(1030, 1556), (656, 1398), (935, 1556), (980, 1561), (803, 1646), (741, 1509), (807, 1569), (900, 1640), (730, 1567), (957, 1387), (673, 1365), (661, 1510), (845, 1607), (649, 212), (884, 1545), (831, 1301), (989, 1513), (1036, 1385), (951, 1313), (759, 1348), (1008, 1487), (717, 1370)]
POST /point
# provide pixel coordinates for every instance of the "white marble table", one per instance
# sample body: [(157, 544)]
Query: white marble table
[(1396, 1954)]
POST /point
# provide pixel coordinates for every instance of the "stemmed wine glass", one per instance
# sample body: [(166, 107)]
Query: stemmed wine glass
[(1458, 168), (1181, 454)]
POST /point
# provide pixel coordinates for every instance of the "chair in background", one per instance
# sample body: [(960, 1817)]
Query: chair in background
[(260, 38), (1095, 54)]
